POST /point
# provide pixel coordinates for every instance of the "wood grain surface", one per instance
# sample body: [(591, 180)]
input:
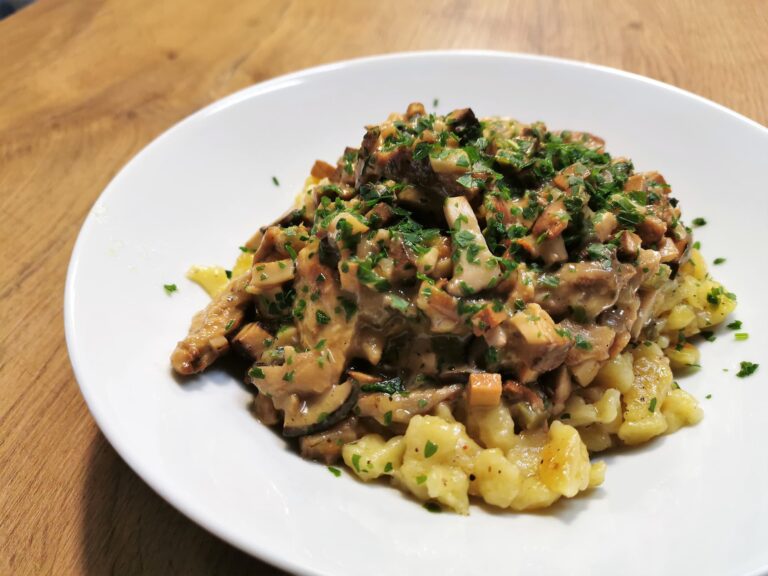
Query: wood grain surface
[(84, 85)]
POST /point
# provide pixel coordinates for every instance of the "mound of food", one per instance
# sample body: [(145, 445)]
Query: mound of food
[(469, 307)]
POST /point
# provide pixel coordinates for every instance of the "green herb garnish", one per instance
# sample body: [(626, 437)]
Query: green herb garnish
[(256, 372), (429, 449), (391, 386), (747, 369), (322, 317)]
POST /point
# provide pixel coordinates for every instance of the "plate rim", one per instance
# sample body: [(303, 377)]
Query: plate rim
[(112, 435)]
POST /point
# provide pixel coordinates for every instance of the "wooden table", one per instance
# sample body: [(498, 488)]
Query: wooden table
[(84, 85)]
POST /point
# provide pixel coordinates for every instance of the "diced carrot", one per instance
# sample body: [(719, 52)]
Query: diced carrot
[(484, 389), (486, 319), (322, 170)]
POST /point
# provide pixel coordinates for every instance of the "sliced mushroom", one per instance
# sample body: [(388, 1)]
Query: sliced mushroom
[(313, 415), (476, 268), (464, 124), (400, 408), (264, 410), (326, 446), (534, 338), (562, 389), (268, 275), (457, 375), (526, 405)]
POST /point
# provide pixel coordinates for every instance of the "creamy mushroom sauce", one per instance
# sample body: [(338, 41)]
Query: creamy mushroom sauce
[(446, 248)]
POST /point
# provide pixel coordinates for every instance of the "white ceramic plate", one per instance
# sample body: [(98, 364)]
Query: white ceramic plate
[(692, 503)]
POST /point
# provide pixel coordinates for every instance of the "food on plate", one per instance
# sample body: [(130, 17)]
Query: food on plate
[(470, 307)]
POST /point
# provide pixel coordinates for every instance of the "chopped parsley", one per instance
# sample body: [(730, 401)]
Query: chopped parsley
[(433, 507), (430, 449), (256, 372), (388, 467), (170, 288), (708, 335), (719, 261), (275, 181), (370, 278), (391, 386), (708, 396), (435, 103), (322, 317), (290, 251), (298, 310), (652, 405), (698, 222), (713, 296), (421, 479), (349, 307), (388, 417), (335, 471), (463, 238), (549, 281), (350, 157), (288, 376), (747, 369), (582, 342), (598, 252), (231, 322), (735, 325), (356, 462)]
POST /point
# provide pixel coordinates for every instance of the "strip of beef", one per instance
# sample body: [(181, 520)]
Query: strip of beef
[(207, 337)]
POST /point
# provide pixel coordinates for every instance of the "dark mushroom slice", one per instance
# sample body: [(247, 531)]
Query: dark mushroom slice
[(326, 446), (312, 415), (399, 408), (525, 405), (457, 375), (264, 410), (288, 218), (464, 124)]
